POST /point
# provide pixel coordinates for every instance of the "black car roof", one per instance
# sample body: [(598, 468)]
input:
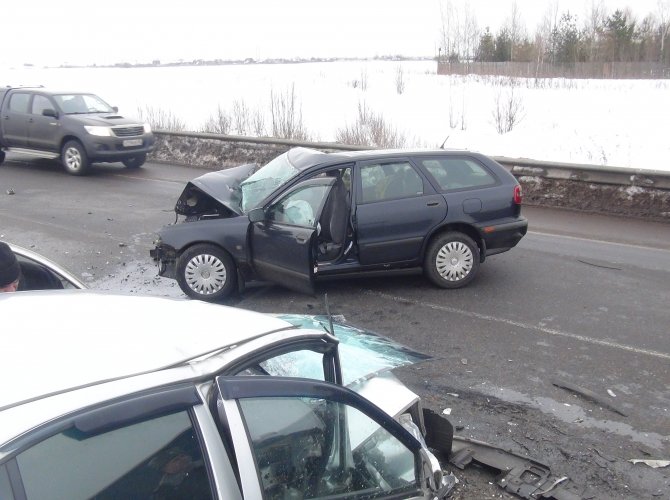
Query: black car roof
[(302, 158)]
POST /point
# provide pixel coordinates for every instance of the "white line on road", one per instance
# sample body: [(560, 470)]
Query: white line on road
[(595, 240), (549, 331)]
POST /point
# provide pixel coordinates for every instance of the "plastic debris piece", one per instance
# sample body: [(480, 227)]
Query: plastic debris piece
[(588, 394), (452, 394), (446, 411), (464, 361), (611, 393), (656, 464)]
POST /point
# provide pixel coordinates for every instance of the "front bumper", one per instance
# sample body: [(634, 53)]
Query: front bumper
[(166, 257), (118, 148)]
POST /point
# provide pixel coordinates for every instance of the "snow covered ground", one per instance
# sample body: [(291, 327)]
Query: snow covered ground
[(622, 123)]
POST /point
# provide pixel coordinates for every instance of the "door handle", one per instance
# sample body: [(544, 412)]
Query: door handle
[(432, 204), (300, 240)]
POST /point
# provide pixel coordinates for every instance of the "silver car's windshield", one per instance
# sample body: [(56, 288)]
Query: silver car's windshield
[(256, 187)]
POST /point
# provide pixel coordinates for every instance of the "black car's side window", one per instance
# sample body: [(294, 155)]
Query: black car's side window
[(458, 173), (40, 103), (389, 181), (157, 458), (300, 207), (18, 103)]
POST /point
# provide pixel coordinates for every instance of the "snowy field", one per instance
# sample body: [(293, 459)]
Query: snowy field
[(622, 123)]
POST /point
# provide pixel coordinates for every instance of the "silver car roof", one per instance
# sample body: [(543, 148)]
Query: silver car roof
[(56, 341)]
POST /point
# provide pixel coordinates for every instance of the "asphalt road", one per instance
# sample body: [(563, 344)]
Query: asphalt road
[(583, 299)]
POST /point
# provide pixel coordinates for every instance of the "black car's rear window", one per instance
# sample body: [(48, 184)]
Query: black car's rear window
[(457, 173)]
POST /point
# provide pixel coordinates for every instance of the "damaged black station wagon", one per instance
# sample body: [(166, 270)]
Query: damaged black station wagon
[(309, 215)]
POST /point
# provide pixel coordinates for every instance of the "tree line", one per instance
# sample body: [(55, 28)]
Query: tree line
[(560, 38)]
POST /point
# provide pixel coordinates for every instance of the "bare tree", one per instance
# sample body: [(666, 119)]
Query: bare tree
[(160, 119), (286, 115), (220, 123), (371, 129), (399, 80), (240, 117), (507, 110), (664, 25)]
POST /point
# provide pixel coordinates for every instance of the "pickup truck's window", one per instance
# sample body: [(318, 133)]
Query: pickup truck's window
[(458, 173), (317, 448), (40, 103), (158, 458), (18, 103)]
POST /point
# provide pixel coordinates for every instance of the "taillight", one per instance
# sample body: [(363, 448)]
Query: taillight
[(517, 195)]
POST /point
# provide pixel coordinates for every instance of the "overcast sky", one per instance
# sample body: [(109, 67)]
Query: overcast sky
[(52, 32)]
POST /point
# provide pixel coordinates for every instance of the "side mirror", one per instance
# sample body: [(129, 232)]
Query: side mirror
[(50, 112), (115, 108), (256, 215)]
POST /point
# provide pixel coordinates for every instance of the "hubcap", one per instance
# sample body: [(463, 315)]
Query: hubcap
[(205, 274), (454, 261), (73, 159)]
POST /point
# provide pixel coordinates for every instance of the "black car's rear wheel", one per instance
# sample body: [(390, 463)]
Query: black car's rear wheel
[(452, 260), (135, 161), (74, 158), (206, 272)]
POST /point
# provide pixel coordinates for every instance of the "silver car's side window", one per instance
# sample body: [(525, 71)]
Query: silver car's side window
[(157, 458), (317, 448)]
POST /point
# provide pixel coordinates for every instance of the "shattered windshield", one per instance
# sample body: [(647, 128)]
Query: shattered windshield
[(362, 353), (256, 187)]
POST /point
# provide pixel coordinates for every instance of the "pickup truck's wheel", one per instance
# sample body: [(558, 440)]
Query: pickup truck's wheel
[(135, 161), (206, 272), (452, 260), (74, 158)]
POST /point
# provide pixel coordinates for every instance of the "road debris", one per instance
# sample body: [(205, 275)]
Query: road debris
[(588, 394), (10, 191), (611, 393), (656, 464)]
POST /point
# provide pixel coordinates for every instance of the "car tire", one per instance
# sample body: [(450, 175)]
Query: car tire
[(135, 161), (74, 158), (206, 272), (452, 260), (2, 157)]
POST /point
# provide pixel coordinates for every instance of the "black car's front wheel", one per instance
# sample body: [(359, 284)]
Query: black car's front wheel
[(452, 260), (206, 272)]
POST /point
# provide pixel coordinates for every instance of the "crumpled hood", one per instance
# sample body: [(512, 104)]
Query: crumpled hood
[(223, 186)]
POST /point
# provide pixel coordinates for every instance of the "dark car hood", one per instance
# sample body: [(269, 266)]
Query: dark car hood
[(106, 119), (222, 186)]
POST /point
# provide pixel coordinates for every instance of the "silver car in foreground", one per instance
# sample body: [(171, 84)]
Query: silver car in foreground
[(147, 397)]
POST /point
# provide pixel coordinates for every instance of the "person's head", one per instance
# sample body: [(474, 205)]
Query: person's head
[(10, 272)]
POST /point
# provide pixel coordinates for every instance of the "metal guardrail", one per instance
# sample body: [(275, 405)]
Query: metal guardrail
[(519, 167)]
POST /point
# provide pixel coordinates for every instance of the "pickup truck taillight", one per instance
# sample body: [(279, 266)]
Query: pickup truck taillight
[(518, 196)]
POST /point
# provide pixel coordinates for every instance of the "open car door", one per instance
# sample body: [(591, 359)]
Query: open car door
[(283, 235), (298, 438)]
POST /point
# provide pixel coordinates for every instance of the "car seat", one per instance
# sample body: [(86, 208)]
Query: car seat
[(334, 222)]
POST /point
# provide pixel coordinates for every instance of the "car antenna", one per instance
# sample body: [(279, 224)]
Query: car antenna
[(445, 141), (330, 316)]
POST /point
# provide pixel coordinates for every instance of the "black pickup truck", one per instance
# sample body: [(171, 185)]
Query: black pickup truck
[(77, 127)]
